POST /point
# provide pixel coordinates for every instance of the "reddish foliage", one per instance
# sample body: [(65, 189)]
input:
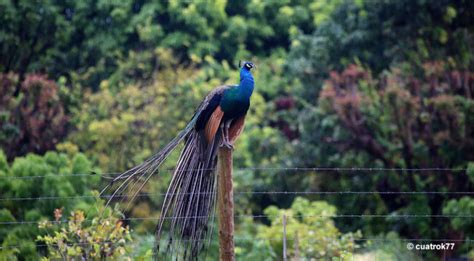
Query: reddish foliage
[(289, 133), (341, 92), (408, 117), (285, 103), (423, 108), (36, 115)]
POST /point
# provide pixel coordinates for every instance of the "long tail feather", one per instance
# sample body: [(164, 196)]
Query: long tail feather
[(127, 185), (190, 200), (189, 203)]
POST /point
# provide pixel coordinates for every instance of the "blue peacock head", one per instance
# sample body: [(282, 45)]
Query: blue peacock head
[(247, 65), (246, 77)]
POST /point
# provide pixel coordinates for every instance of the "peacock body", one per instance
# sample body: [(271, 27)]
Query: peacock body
[(190, 199)]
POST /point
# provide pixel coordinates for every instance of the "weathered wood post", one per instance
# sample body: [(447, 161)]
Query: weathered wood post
[(225, 204)]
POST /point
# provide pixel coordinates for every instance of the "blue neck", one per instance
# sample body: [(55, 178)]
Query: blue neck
[(246, 83)]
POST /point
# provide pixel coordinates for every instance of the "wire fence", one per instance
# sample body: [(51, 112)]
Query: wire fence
[(285, 170), (237, 193), (112, 175), (392, 216)]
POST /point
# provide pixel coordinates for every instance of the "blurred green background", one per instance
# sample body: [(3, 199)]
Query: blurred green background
[(92, 88)]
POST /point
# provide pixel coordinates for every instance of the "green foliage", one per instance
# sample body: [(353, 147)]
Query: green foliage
[(470, 171), (378, 35), (81, 238), (248, 245), (311, 233), (88, 41), (397, 107), (339, 84), (462, 207), (394, 121), (147, 116), (387, 247), (63, 38), (54, 175)]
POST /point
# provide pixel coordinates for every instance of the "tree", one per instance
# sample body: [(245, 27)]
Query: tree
[(374, 93), (87, 41), (26, 183), (377, 34), (398, 120), (63, 38), (32, 120)]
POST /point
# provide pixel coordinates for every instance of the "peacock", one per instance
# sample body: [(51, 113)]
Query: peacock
[(189, 202)]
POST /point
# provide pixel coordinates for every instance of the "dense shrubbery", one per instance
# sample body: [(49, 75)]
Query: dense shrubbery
[(32, 115), (99, 238), (310, 231), (339, 84), (398, 121), (54, 175)]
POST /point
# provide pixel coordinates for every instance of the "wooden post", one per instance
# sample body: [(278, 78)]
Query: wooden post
[(225, 203)]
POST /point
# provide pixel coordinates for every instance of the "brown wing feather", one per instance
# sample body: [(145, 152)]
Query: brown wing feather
[(236, 128), (213, 124)]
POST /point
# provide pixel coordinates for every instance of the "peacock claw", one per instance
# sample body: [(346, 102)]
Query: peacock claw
[(227, 145)]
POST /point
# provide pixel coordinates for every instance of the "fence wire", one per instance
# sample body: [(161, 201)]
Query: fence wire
[(45, 198), (392, 216), (112, 175), (285, 170)]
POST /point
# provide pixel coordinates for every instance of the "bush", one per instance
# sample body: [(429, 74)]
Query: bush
[(32, 116), (81, 238), (311, 232), (54, 175)]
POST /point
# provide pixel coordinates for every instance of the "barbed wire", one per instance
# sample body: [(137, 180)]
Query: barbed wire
[(351, 170), (112, 175), (243, 193), (26, 222)]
